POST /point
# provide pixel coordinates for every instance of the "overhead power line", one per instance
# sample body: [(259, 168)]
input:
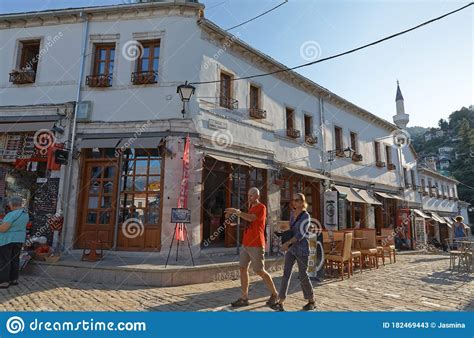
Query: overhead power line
[(343, 53), (256, 17)]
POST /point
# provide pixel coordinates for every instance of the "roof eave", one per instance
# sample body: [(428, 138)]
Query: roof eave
[(319, 89)]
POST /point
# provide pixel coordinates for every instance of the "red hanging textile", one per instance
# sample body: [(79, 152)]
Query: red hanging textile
[(180, 234)]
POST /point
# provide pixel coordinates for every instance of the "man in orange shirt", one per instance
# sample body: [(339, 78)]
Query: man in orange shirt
[(253, 248)]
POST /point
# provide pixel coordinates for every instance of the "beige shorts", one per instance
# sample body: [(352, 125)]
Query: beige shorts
[(254, 255)]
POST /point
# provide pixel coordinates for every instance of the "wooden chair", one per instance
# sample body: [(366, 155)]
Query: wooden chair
[(368, 247), (345, 256), (389, 244), (356, 257)]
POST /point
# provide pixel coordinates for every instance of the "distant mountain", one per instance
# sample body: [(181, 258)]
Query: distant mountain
[(458, 133)]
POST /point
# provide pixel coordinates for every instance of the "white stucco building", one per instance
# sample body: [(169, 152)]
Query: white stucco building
[(109, 76)]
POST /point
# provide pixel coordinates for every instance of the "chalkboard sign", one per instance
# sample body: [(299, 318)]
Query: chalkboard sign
[(45, 200)]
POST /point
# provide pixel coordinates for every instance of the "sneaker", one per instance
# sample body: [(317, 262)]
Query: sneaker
[(272, 300), (278, 307), (309, 307), (240, 302)]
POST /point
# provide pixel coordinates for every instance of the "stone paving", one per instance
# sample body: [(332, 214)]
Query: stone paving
[(415, 283)]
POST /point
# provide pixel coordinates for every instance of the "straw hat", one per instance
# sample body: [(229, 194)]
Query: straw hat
[(459, 218)]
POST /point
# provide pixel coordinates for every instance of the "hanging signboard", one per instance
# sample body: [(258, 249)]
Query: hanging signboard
[(330, 210)]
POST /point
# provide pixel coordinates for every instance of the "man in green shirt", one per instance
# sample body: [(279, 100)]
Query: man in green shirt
[(12, 237)]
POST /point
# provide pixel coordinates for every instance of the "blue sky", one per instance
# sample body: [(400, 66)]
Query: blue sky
[(434, 64)]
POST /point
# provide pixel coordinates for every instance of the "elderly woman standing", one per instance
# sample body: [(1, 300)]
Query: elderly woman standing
[(12, 237), (297, 249)]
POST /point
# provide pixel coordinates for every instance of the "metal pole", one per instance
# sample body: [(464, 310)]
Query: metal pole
[(238, 203), (68, 177)]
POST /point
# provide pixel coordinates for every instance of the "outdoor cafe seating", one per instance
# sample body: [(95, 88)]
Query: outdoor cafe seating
[(342, 259), (368, 247), (461, 252), (387, 239)]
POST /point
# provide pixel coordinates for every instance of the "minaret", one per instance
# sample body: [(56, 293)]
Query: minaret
[(400, 119)]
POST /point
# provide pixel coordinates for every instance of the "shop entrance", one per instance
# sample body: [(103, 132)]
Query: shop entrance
[(97, 219), (226, 185)]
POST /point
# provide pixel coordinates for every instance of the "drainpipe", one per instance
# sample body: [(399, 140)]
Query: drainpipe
[(68, 177), (322, 129)]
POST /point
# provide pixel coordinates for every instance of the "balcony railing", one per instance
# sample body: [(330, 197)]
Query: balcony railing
[(357, 157), (23, 76), (293, 133), (142, 78), (310, 139), (228, 102), (102, 80), (391, 166), (257, 113)]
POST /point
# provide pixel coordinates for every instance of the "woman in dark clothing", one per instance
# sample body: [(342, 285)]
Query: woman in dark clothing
[(297, 249)]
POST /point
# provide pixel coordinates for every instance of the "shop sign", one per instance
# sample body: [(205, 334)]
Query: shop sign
[(330, 210), (214, 124)]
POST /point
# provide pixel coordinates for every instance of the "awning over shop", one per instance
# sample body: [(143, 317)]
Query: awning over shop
[(228, 160), (308, 173), (448, 219), (421, 213), (99, 143), (30, 126), (438, 218), (365, 195), (352, 196), (389, 196), (259, 165)]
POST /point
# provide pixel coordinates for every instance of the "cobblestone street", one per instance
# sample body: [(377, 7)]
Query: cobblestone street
[(414, 283)]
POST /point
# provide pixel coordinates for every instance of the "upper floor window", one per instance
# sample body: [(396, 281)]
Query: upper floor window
[(378, 157), (354, 138), (413, 178), (255, 110), (388, 155), (308, 130), (103, 67), (338, 140), (225, 99), (423, 185), (147, 63), (290, 123), (28, 63), (254, 96), (405, 177), (308, 125)]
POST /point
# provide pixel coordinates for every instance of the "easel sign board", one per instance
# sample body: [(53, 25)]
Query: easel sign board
[(180, 215)]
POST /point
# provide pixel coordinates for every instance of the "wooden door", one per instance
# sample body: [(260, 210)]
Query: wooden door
[(99, 191)]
